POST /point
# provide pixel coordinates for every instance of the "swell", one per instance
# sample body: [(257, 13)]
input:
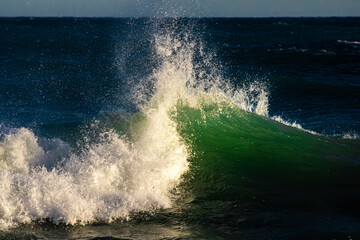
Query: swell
[(235, 154)]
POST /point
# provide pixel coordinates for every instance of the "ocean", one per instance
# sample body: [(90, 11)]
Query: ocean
[(179, 128)]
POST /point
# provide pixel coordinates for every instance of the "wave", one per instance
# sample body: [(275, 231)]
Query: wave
[(193, 129), (236, 155), (349, 42)]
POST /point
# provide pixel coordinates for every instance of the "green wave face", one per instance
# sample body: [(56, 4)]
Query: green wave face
[(235, 154)]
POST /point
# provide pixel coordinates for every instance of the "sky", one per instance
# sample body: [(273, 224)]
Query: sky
[(192, 8)]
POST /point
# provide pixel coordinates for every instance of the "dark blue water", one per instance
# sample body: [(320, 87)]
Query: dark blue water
[(59, 75), (67, 70)]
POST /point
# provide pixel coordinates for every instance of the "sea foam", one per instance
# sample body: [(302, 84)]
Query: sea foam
[(106, 181)]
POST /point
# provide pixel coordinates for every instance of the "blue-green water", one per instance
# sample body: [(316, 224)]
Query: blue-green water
[(179, 128)]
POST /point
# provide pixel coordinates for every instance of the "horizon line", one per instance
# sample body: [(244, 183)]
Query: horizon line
[(139, 17)]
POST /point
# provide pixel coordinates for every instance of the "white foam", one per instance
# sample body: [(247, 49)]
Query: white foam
[(349, 42), (293, 124), (106, 181), (20, 150), (351, 135)]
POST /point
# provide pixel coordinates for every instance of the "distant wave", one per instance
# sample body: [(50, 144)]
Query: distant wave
[(349, 42)]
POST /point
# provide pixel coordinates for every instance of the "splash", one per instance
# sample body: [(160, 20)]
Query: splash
[(106, 181), (189, 72), (115, 177)]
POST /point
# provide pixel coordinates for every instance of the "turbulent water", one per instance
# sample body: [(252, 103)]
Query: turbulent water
[(179, 128)]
